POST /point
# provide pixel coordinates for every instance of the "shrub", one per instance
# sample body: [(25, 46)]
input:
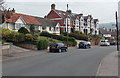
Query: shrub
[(28, 37), (12, 36), (79, 36), (32, 29), (23, 30), (59, 37), (42, 44)]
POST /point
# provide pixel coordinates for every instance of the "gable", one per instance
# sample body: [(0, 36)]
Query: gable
[(53, 14), (20, 21)]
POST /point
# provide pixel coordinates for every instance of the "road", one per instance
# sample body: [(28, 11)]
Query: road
[(75, 62)]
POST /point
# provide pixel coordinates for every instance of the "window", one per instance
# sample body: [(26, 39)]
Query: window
[(67, 20), (57, 28), (18, 26)]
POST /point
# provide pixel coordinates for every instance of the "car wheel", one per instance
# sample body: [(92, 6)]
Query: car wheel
[(60, 50), (50, 50), (65, 50)]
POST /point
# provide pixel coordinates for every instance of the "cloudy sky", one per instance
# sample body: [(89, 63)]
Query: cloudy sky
[(104, 10)]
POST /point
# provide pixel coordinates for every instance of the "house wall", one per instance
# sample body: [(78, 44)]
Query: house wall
[(52, 14)]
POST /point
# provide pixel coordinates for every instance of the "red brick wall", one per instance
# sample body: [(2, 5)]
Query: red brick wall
[(52, 14)]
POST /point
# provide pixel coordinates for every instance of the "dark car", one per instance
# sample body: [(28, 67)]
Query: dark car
[(58, 47), (114, 43), (84, 45)]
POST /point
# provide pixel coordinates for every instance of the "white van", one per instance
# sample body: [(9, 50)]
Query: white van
[(104, 43)]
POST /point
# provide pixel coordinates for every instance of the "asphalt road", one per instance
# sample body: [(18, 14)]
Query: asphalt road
[(75, 62)]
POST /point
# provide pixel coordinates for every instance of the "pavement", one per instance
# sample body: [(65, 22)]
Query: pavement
[(109, 65), (22, 55)]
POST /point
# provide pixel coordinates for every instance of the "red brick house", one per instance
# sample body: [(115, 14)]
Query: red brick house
[(75, 22)]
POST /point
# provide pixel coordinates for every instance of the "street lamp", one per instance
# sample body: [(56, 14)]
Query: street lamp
[(67, 24), (117, 30)]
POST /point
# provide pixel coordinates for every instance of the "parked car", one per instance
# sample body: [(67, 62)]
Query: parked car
[(104, 43), (84, 45), (114, 43), (58, 47)]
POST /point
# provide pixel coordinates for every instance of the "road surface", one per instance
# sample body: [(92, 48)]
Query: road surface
[(75, 62)]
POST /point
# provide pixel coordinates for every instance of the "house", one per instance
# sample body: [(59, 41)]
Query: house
[(14, 21), (107, 33), (49, 26), (72, 21)]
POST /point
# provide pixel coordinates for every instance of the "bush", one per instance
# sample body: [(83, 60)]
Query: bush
[(42, 44), (79, 36), (28, 37), (12, 36), (60, 37), (23, 30)]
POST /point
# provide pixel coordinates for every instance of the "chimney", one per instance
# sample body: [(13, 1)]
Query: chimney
[(45, 17), (69, 11), (53, 7), (13, 10)]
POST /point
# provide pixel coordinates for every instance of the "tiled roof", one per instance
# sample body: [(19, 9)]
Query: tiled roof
[(27, 18), (63, 14), (46, 22)]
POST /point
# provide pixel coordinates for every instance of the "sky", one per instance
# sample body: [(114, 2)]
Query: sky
[(104, 10)]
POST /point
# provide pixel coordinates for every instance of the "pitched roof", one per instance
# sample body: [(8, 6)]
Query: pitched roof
[(27, 18), (46, 22), (63, 14)]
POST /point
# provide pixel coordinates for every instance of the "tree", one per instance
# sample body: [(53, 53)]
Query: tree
[(32, 29), (2, 5), (23, 30)]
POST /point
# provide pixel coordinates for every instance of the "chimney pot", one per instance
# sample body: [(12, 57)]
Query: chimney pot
[(53, 7)]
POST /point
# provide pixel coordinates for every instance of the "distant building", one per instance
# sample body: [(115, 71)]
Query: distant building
[(75, 22), (107, 33)]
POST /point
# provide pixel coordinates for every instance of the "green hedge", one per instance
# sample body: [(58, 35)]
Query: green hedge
[(12, 36), (72, 41), (42, 44), (77, 35)]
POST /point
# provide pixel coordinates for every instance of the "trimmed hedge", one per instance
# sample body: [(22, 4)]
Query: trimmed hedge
[(42, 44), (79, 36), (72, 41)]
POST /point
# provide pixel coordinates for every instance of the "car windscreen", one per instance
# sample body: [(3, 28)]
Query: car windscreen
[(54, 44), (81, 43)]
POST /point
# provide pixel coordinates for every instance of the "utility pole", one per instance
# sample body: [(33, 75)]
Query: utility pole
[(67, 24), (117, 31)]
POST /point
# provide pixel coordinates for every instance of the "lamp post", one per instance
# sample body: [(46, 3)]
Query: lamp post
[(117, 30), (67, 25)]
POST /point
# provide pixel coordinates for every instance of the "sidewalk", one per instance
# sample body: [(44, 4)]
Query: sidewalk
[(109, 65), (22, 55)]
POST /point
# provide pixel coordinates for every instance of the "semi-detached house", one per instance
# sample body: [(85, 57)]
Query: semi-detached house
[(14, 21)]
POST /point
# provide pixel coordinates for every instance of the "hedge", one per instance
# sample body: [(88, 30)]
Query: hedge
[(60, 37), (42, 44), (12, 36)]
